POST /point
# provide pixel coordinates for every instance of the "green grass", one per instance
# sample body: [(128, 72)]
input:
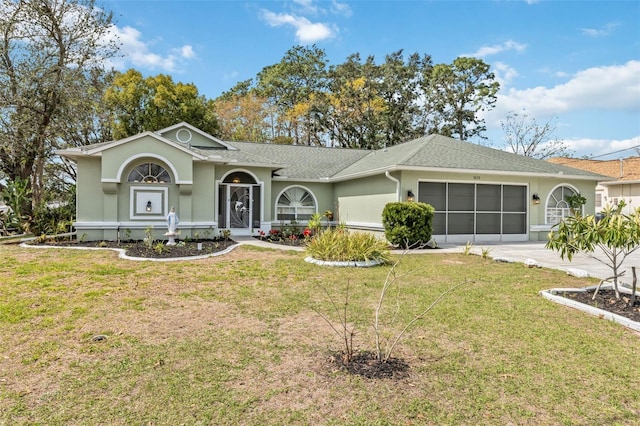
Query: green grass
[(235, 340)]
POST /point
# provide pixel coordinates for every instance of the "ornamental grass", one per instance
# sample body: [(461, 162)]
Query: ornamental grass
[(340, 245)]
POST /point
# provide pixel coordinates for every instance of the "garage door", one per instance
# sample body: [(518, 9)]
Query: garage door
[(476, 212)]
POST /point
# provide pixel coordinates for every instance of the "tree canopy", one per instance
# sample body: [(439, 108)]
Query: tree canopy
[(51, 54), (136, 104), (359, 103)]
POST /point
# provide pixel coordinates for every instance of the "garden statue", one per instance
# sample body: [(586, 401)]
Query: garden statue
[(172, 226)]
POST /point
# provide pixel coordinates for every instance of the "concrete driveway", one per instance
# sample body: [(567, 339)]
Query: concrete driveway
[(519, 252)]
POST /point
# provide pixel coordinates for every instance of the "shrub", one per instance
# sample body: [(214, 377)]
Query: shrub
[(341, 246), (408, 224)]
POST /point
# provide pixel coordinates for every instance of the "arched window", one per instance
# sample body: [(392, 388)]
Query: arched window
[(149, 173), (558, 207), (295, 203)]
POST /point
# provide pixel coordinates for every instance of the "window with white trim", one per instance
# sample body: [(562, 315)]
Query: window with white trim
[(295, 203), (558, 207), (149, 173)]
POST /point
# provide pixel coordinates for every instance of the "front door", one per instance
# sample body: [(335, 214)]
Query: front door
[(239, 208)]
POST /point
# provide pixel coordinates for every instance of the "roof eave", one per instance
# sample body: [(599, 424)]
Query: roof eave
[(619, 182), (559, 175)]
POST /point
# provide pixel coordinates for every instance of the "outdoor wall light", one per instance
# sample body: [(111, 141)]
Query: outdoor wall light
[(410, 196), (149, 205), (536, 198)]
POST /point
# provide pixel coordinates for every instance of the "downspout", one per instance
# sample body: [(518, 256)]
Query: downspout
[(388, 175)]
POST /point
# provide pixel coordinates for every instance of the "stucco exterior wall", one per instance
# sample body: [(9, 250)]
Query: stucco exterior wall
[(202, 199), (360, 202), (116, 161), (89, 190), (614, 193)]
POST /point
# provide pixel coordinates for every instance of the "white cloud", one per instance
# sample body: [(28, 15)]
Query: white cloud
[(601, 32), (498, 48), (504, 73), (233, 75), (310, 7), (342, 9), (137, 53), (306, 31), (307, 6), (613, 88), (600, 147), (187, 52)]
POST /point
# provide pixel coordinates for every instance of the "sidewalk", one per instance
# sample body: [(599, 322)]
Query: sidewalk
[(518, 252)]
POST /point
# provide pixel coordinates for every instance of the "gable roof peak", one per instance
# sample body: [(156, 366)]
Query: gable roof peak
[(192, 128)]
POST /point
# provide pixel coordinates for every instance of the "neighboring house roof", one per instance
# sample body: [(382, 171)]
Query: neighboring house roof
[(305, 163), (624, 170)]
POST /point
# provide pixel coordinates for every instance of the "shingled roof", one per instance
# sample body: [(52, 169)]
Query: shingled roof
[(301, 162), (430, 153), (624, 169)]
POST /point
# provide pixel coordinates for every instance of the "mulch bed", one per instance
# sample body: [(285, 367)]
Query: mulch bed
[(606, 300), (141, 249), (366, 364)]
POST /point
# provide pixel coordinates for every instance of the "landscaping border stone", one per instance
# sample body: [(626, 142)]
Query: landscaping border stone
[(352, 264), (553, 295)]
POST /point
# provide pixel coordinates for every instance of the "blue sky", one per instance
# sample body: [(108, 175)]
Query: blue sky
[(576, 63)]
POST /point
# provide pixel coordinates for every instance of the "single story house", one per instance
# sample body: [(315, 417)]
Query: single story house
[(624, 182), (479, 193)]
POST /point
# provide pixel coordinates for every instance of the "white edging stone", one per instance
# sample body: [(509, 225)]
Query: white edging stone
[(579, 273), (122, 253), (552, 295), (354, 264)]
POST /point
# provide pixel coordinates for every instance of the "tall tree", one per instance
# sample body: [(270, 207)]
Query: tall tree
[(456, 93), (399, 88), (526, 137), (356, 109), (89, 124), (138, 104), (47, 50), (242, 117), (290, 87)]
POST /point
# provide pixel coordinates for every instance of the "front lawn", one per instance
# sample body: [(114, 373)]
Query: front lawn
[(87, 338)]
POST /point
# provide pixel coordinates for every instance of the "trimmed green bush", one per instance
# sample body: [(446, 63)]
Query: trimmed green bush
[(408, 224), (341, 246)]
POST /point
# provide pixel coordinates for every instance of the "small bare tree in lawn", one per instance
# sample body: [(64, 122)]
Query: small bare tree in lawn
[(387, 333), (615, 235), (385, 346)]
